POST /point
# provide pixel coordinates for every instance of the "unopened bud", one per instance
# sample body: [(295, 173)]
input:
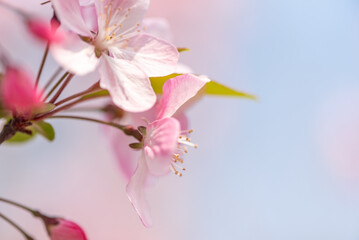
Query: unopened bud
[(61, 229)]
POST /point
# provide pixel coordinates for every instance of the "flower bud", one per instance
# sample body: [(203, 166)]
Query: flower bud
[(44, 31), (61, 229), (18, 93)]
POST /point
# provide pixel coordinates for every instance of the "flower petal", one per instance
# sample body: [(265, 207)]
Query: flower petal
[(176, 92), (89, 14), (75, 55), (136, 192), (154, 56), (69, 14), (124, 13), (160, 144), (129, 87)]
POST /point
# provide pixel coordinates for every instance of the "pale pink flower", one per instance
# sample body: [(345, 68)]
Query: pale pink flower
[(65, 230), (18, 92), (164, 142), (125, 56)]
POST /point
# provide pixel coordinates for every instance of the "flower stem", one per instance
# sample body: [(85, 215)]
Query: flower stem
[(27, 236), (43, 3), (121, 127), (54, 76), (42, 64), (91, 89), (128, 130), (63, 86), (65, 107), (33, 212), (56, 85)]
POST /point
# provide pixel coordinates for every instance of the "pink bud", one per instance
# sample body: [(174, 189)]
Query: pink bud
[(45, 31), (18, 92), (66, 230)]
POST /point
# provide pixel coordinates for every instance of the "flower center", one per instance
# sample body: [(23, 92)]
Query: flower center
[(182, 148), (112, 18)]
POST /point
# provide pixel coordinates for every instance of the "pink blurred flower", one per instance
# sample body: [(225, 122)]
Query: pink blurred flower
[(44, 31), (125, 56), (65, 230), (164, 142), (18, 92)]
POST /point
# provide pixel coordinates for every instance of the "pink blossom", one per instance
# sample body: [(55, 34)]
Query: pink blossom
[(65, 230), (126, 57), (18, 92), (164, 142), (44, 31)]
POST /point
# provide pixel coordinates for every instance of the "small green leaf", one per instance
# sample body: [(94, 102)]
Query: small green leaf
[(214, 88), (45, 129), (102, 93), (183, 49), (44, 109), (20, 137), (157, 82), (136, 146)]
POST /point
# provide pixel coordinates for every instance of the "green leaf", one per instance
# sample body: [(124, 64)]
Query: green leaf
[(44, 109), (157, 82), (20, 137), (212, 88), (102, 93), (45, 129), (183, 49)]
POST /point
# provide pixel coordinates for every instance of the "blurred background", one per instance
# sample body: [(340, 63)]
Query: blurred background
[(286, 166)]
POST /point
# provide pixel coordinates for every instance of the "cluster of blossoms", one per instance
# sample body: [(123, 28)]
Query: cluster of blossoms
[(140, 76)]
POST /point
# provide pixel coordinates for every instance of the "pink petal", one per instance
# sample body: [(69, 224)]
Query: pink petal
[(89, 14), (136, 192), (154, 56), (18, 91), (66, 230), (127, 13), (75, 55), (160, 144), (45, 31), (157, 27), (129, 87), (176, 92), (69, 14)]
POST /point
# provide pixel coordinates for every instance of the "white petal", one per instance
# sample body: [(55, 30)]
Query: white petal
[(69, 14), (75, 55), (154, 56), (129, 87)]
